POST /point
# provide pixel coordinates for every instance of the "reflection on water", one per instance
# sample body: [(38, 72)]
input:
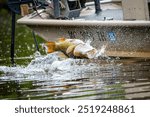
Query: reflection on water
[(51, 77)]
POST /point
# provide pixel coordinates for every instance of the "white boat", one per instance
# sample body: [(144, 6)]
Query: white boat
[(123, 37)]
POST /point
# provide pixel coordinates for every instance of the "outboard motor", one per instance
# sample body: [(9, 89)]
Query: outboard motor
[(73, 8), (66, 8)]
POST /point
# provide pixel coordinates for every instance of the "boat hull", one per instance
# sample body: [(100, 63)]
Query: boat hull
[(123, 38)]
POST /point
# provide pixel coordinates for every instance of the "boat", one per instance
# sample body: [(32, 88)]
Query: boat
[(125, 34)]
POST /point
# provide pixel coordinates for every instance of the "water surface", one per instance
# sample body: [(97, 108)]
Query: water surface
[(51, 77)]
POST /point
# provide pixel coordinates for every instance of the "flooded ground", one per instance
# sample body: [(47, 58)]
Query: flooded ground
[(51, 77)]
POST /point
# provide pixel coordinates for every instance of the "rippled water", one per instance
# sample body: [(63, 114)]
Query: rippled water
[(51, 77)]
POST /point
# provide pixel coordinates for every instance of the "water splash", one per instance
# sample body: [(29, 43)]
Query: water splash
[(88, 42), (55, 66), (101, 52)]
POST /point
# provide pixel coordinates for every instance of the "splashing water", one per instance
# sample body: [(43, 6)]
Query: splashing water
[(88, 42), (101, 52), (52, 65), (54, 77)]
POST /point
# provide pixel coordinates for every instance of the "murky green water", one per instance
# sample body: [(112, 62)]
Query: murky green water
[(122, 79), (24, 41)]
